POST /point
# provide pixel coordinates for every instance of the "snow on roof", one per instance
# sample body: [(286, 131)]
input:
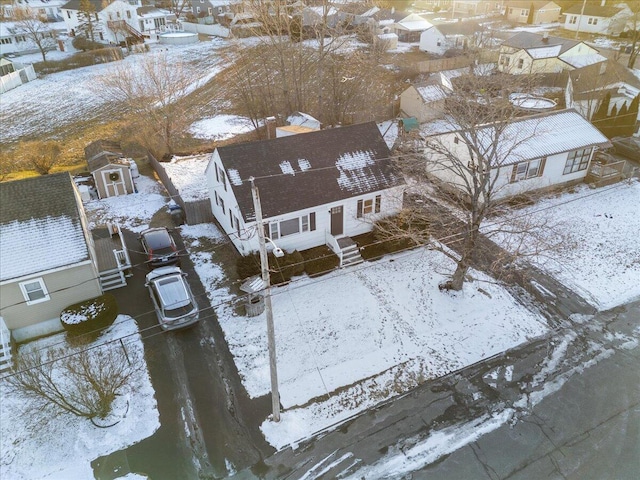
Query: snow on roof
[(354, 171), (544, 52), (431, 93), (579, 61), (321, 11), (40, 244), (303, 120), (535, 136), (415, 25), (187, 175)]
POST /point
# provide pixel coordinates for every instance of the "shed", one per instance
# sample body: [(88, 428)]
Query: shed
[(112, 173)]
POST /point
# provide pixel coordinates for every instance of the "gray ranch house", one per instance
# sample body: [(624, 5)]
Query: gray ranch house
[(539, 152), (50, 259), (317, 188)]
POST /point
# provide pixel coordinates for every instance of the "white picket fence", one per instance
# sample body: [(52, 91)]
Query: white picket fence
[(6, 360)]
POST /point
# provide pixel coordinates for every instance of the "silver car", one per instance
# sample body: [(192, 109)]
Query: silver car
[(172, 298)]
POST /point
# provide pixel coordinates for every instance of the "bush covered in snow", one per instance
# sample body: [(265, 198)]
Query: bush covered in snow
[(90, 316)]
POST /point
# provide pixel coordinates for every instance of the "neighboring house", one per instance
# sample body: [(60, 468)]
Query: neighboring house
[(115, 22), (50, 8), (543, 151), (315, 16), (298, 122), (216, 9), (153, 21), (112, 173), (604, 19), (533, 13), (425, 101), (410, 28), (319, 188), (48, 255), (586, 87), (527, 52), (14, 40), (14, 74), (475, 7), (446, 36)]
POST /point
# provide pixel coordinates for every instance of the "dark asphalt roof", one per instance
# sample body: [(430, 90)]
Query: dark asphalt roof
[(310, 169), (533, 40), (38, 197)]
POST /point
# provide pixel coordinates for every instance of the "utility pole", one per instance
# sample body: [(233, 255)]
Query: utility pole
[(584, 3), (271, 337)]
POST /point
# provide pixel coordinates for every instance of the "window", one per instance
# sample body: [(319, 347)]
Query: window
[(222, 204), (117, 14), (573, 20), (456, 140), (305, 223), (530, 169), (510, 11), (34, 291), (368, 206), (197, 9), (110, 16), (210, 11), (220, 176), (96, 15), (231, 218), (592, 21), (524, 13), (577, 160), (68, 14), (237, 223), (128, 13), (520, 62)]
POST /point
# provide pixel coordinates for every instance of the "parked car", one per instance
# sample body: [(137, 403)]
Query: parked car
[(627, 147), (172, 298), (159, 246)]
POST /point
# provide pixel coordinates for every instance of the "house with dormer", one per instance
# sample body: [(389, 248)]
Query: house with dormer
[(527, 53), (316, 188)]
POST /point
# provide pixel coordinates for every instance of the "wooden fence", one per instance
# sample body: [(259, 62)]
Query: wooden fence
[(195, 211)]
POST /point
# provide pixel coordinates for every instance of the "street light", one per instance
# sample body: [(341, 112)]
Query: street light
[(264, 266)]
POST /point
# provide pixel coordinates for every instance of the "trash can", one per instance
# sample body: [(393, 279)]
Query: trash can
[(177, 215), (254, 301)]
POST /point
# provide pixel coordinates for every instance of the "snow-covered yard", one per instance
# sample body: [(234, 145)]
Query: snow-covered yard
[(63, 446), (603, 261)]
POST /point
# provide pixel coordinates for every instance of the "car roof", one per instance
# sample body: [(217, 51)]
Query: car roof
[(157, 237), (162, 272)]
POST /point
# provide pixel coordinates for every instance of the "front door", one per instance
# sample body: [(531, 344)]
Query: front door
[(337, 221)]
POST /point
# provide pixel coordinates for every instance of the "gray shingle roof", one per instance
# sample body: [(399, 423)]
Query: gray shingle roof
[(310, 169), (41, 226), (528, 40)]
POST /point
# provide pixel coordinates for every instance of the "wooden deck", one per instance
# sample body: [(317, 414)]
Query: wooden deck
[(105, 245)]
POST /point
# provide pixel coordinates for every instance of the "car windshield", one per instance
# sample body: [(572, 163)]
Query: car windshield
[(174, 296), (159, 242)]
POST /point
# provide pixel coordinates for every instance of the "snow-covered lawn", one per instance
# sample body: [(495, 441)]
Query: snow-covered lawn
[(371, 332), (603, 225), (63, 446), (221, 127)]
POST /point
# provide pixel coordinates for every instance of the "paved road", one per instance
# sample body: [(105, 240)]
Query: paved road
[(209, 426), (564, 407)]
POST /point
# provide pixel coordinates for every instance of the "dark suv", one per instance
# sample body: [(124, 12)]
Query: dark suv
[(159, 246)]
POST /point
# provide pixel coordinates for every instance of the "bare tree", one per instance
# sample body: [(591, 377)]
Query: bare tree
[(42, 156), (89, 25), (478, 142), (33, 25), (83, 384), (152, 92), (633, 22)]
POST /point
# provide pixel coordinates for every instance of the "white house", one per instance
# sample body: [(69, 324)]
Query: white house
[(315, 189), (14, 39), (49, 8), (115, 21), (527, 52), (539, 152), (410, 27), (604, 19), (153, 21), (446, 36)]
